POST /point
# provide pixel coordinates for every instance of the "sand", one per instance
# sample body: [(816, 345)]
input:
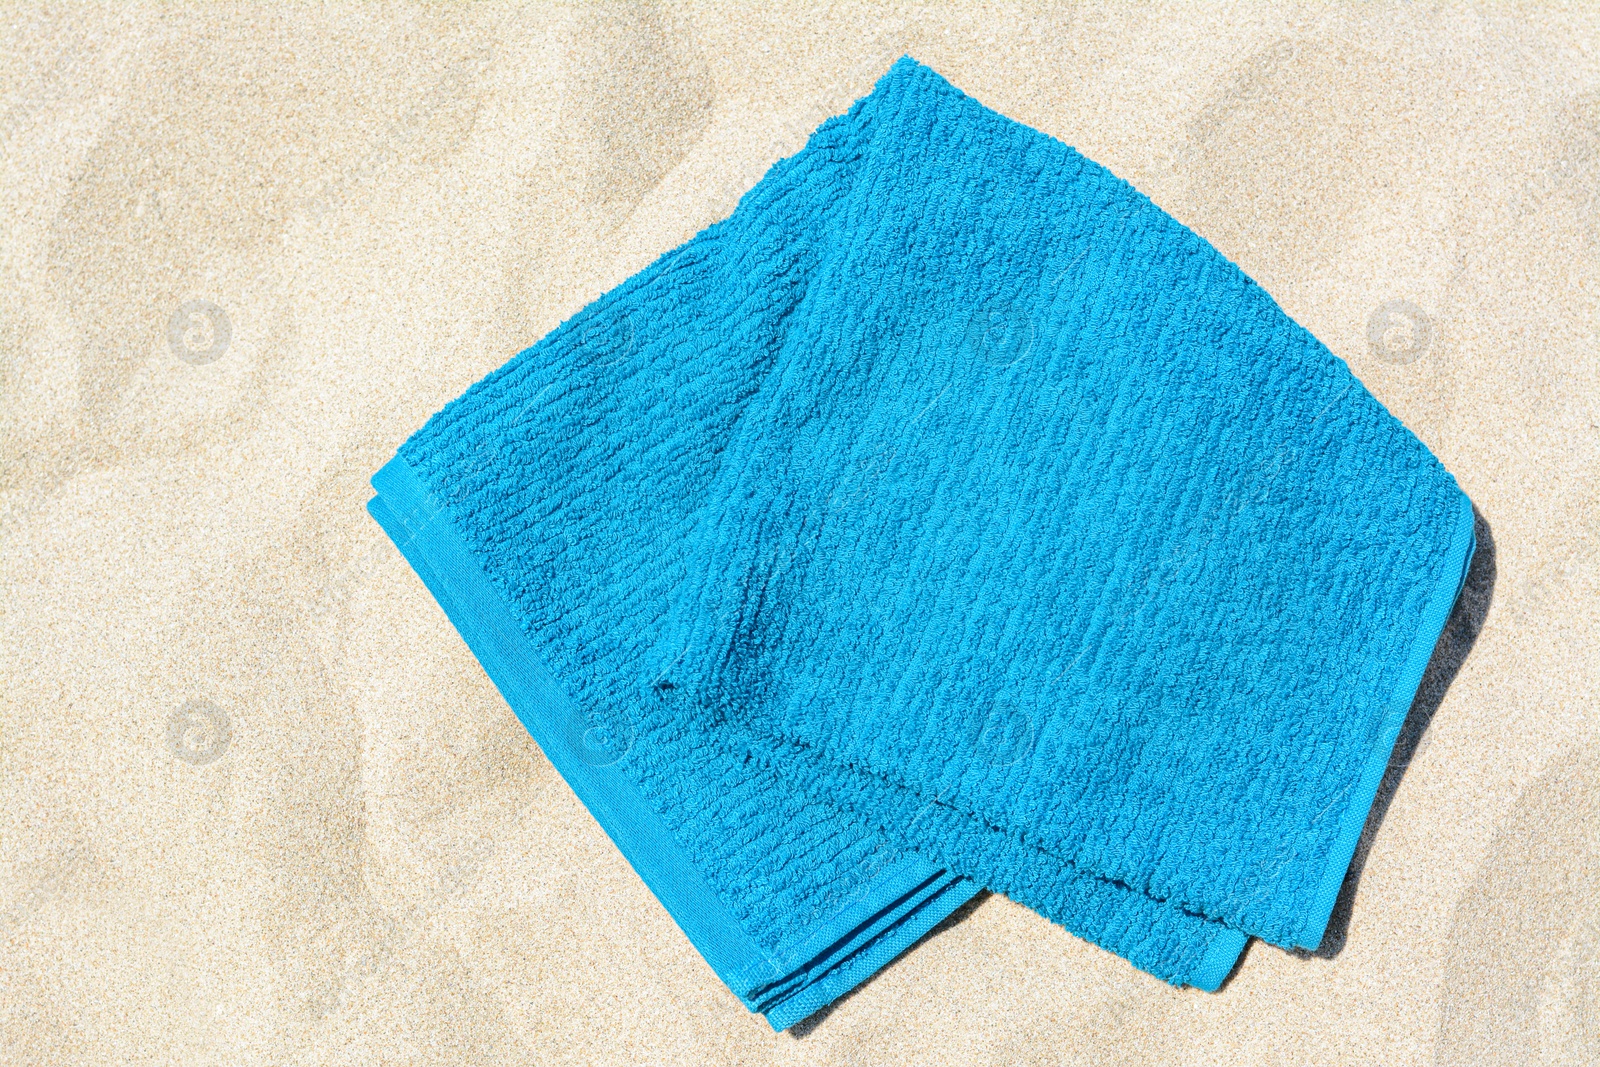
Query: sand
[(248, 250)]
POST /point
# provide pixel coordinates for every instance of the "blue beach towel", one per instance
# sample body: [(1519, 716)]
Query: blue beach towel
[(947, 517)]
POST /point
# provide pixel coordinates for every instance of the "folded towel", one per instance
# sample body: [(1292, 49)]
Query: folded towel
[(790, 902), (948, 516)]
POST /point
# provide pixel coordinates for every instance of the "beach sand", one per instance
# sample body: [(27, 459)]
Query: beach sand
[(247, 251)]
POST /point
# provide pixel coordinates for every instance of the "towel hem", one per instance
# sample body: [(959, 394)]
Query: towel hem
[(905, 927), (1219, 960), (1452, 579)]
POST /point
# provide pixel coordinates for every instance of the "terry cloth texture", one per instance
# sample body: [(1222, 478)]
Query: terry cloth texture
[(948, 516)]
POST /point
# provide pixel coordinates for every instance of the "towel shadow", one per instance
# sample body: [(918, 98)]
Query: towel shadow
[(805, 1027), (1460, 633)]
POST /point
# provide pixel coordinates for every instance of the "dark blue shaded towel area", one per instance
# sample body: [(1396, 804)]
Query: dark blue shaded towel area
[(947, 517)]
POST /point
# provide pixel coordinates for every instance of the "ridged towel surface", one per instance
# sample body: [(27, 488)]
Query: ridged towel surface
[(948, 516)]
